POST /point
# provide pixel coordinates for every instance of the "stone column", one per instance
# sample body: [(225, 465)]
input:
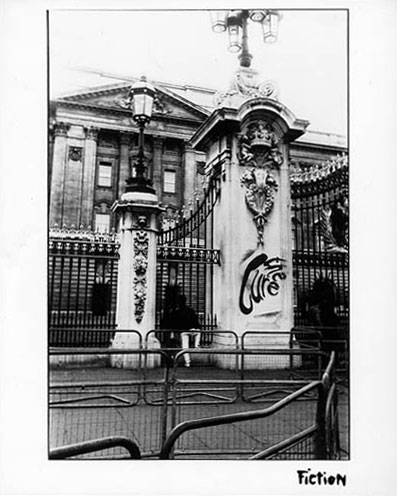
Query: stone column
[(136, 294), (58, 173), (189, 171), (125, 172), (253, 286), (158, 143), (90, 151)]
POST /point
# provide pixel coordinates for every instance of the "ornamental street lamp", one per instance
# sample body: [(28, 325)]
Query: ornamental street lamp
[(236, 24), (141, 95)]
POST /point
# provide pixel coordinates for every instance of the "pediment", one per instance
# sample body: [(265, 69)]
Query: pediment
[(167, 103)]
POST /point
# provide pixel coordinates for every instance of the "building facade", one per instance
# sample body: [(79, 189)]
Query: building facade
[(94, 143), (93, 147)]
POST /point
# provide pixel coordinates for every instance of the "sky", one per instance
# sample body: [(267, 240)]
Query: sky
[(308, 62)]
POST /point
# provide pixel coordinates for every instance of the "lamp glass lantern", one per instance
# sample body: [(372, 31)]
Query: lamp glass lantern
[(143, 94), (218, 20), (270, 27), (234, 26), (234, 39), (257, 15)]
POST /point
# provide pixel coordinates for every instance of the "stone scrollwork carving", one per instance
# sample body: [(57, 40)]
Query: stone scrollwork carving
[(140, 221), (268, 89), (141, 252), (245, 84), (259, 151), (159, 104)]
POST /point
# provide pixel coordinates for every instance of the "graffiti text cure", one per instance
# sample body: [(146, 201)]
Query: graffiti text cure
[(261, 279)]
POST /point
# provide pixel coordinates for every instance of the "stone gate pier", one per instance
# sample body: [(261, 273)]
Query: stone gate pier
[(246, 141), (136, 291)]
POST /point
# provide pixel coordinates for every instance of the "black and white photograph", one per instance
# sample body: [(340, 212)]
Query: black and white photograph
[(199, 238)]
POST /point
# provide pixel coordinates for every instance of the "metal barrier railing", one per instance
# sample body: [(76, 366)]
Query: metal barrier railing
[(229, 419), (83, 409), (96, 445), (80, 337), (318, 431), (280, 449), (170, 338), (311, 349), (152, 398), (331, 339)]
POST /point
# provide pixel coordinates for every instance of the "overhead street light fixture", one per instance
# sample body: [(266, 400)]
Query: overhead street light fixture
[(236, 24)]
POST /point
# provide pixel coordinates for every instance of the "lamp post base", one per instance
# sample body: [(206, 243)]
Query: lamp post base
[(139, 184)]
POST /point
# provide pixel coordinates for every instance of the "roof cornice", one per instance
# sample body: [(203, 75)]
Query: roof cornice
[(201, 112), (120, 111)]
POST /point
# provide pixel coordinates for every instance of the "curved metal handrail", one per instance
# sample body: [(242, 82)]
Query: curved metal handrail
[(323, 385), (96, 445), (331, 423), (327, 376), (286, 444), (230, 418)]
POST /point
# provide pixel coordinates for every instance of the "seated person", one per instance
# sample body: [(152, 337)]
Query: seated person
[(184, 319)]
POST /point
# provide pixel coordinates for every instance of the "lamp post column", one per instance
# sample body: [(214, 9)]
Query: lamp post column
[(137, 212)]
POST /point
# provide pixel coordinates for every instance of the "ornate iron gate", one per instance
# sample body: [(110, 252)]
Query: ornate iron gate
[(186, 258), (320, 255)]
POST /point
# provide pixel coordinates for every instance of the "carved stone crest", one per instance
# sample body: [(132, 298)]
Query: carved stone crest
[(75, 153), (141, 251), (159, 104), (259, 150)]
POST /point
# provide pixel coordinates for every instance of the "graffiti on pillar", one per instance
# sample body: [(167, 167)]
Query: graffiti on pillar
[(259, 151), (141, 251), (261, 280)]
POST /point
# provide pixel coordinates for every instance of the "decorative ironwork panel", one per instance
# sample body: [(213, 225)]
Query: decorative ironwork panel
[(185, 254), (320, 257), (193, 224), (186, 259), (82, 286)]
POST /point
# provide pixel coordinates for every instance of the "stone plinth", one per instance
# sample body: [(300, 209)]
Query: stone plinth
[(136, 292)]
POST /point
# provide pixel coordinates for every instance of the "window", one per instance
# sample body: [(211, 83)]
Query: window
[(169, 181), (105, 174), (102, 222)]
